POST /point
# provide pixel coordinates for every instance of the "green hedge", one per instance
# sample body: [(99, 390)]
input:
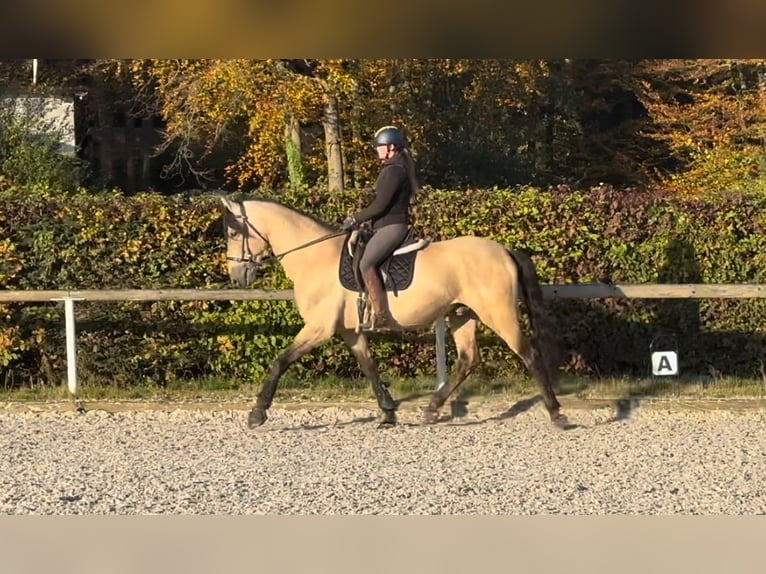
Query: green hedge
[(83, 240)]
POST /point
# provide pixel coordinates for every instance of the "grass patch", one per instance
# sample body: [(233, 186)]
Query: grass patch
[(333, 389)]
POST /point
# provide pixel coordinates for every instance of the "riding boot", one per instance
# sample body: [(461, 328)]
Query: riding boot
[(379, 299)]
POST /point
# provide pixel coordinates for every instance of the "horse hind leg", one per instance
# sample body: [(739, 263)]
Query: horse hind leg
[(506, 324), (463, 329), (536, 363), (357, 342)]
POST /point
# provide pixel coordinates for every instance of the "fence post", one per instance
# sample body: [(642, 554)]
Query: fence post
[(441, 353), (71, 342)]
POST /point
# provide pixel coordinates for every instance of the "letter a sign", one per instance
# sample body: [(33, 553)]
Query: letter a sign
[(665, 363)]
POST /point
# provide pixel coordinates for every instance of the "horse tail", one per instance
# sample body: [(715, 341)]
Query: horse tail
[(543, 341)]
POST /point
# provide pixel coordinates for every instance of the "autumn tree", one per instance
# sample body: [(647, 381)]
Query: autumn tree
[(468, 121), (680, 123), (712, 116), (260, 104)]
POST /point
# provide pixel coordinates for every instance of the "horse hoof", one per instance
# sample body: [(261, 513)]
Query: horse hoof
[(257, 417), (560, 421), (387, 420), (430, 416), (458, 409)]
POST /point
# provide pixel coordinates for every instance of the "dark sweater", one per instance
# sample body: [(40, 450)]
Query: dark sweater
[(392, 195)]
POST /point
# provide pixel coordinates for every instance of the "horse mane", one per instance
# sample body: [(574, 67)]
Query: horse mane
[(315, 219)]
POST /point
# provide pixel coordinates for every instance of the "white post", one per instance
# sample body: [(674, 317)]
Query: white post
[(441, 353), (34, 71), (71, 346), (71, 342)]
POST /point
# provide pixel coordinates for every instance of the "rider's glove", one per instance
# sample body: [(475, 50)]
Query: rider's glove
[(348, 224)]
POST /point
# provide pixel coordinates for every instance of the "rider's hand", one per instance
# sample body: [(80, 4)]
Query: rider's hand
[(348, 224)]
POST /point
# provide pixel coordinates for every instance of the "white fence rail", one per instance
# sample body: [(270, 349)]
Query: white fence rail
[(570, 291)]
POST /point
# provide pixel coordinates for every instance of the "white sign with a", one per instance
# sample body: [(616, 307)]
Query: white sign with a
[(664, 363)]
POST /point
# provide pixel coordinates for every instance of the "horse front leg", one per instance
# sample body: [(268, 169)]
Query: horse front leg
[(357, 342), (463, 328), (307, 339)]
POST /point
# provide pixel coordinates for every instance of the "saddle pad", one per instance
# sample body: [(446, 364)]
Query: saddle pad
[(397, 271)]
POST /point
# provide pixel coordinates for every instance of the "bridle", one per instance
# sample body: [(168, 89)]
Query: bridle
[(247, 257)]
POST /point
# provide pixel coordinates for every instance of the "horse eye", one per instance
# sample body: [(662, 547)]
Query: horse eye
[(233, 234)]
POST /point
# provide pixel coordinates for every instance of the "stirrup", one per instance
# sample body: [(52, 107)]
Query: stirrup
[(372, 326)]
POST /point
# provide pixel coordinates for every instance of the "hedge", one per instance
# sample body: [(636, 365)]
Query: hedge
[(86, 240)]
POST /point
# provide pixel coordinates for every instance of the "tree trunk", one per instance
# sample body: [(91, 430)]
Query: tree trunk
[(357, 161), (356, 135), (331, 123), (294, 152), (544, 143)]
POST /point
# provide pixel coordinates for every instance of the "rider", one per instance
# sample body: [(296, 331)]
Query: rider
[(389, 214)]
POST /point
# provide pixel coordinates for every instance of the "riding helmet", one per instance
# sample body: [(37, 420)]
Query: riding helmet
[(389, 135)]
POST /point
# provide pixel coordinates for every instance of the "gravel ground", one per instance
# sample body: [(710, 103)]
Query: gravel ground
[(333, 460)]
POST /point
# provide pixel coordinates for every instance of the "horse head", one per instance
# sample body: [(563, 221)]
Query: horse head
[(245, 244)]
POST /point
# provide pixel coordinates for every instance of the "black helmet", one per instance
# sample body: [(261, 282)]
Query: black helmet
[(390, 135)]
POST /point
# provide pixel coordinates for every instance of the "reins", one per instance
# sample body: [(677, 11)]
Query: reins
[(247, 256), (309, 244)]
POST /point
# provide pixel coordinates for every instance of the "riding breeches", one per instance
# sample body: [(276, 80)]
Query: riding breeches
[(382, 244)]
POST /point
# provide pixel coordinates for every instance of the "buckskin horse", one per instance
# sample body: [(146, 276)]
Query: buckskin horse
[(466, 279)]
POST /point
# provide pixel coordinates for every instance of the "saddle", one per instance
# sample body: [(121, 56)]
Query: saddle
[(396, 271)]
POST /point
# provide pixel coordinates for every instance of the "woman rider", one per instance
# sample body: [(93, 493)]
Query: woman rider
[(389, 215)]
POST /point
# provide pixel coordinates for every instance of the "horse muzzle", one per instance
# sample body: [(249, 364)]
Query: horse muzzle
[(244, 273)]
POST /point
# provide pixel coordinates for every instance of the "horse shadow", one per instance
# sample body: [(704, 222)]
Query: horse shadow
[(316, 426), (458, 411)]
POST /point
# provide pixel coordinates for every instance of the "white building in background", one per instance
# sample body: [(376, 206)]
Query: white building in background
[(95, 125), (46, 115)]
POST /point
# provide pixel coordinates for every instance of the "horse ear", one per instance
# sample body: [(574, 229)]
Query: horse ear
[(227, 205)]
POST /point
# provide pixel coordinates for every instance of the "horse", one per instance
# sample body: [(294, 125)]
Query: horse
[(466, 279)]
